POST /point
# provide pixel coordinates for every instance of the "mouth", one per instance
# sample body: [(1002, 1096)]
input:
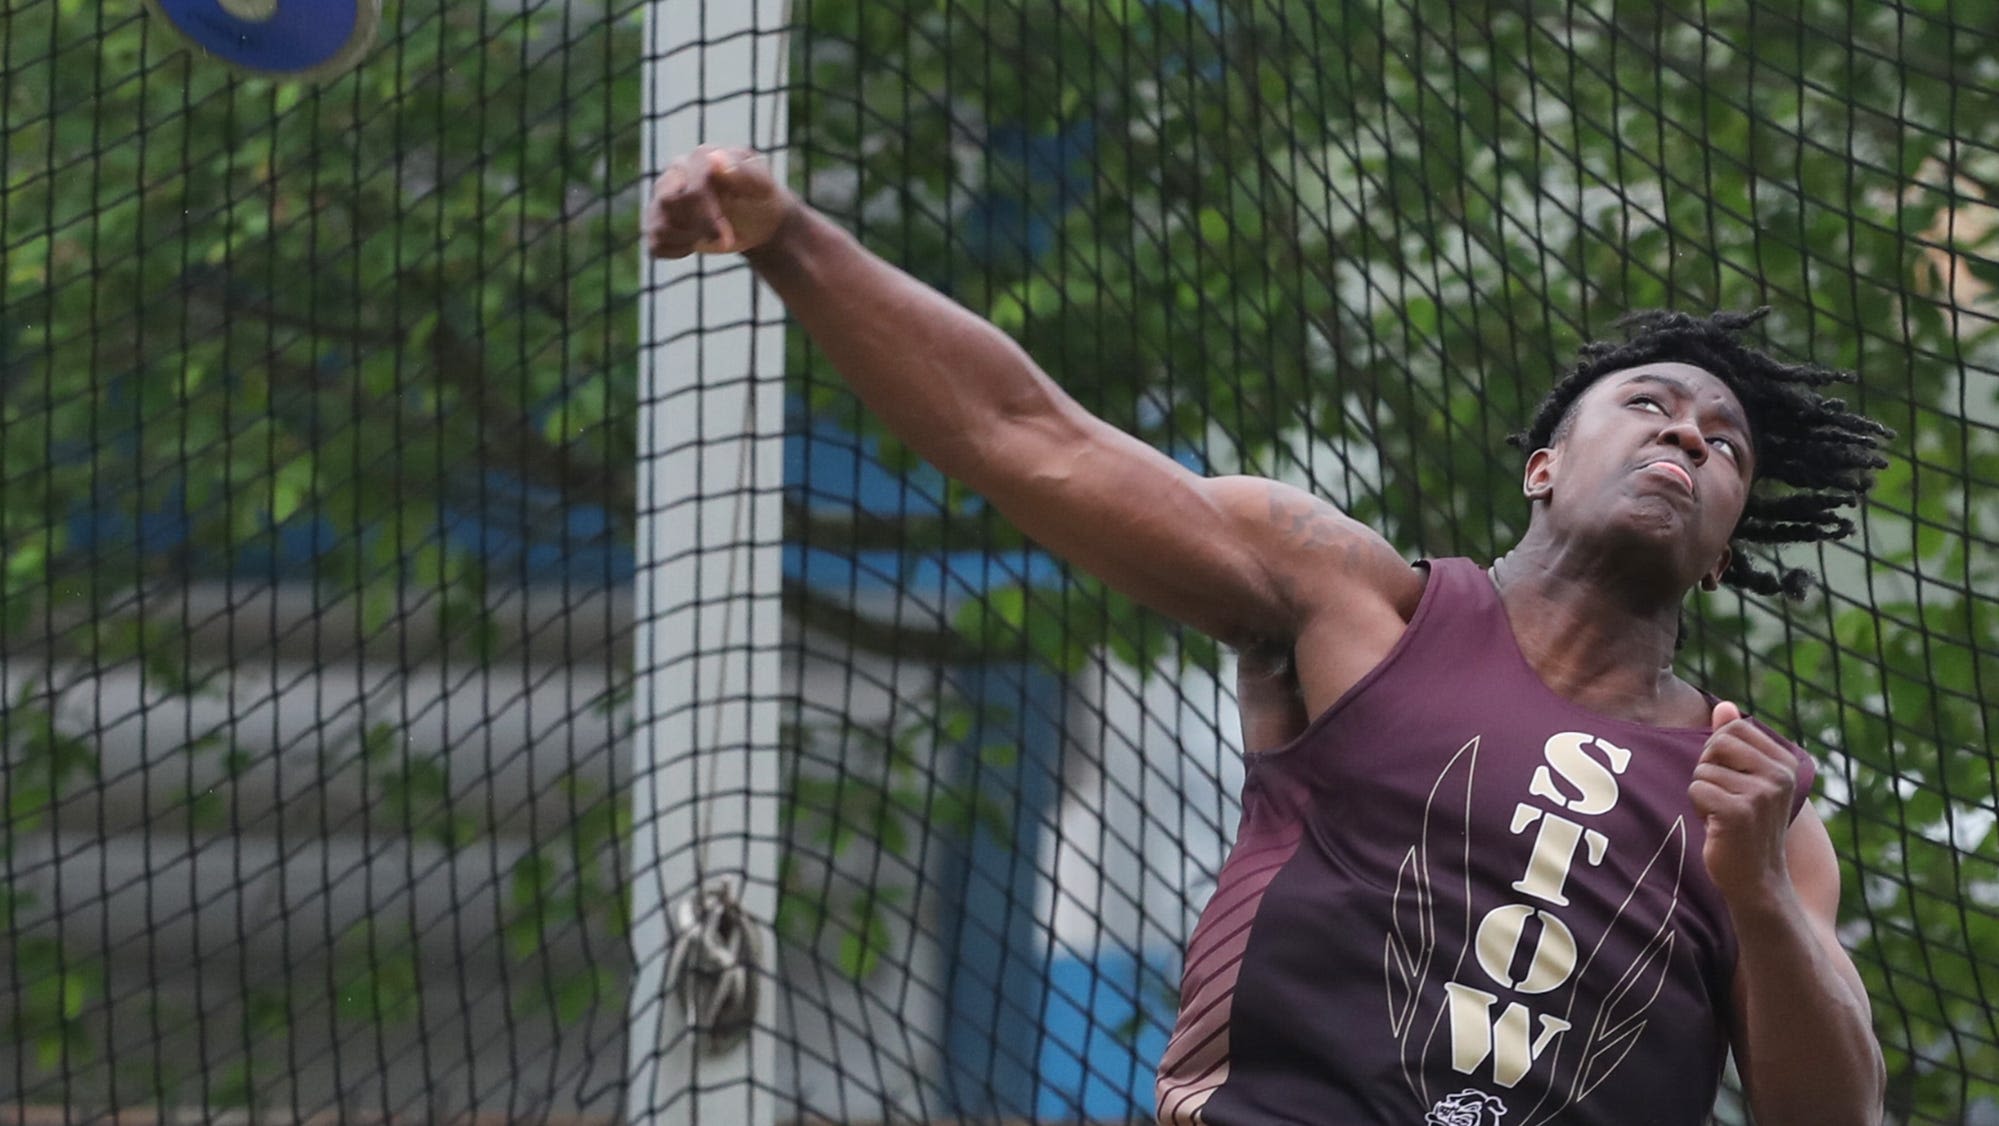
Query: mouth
[(1675, 471)]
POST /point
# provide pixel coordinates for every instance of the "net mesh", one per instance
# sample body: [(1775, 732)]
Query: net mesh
[(321, 475), (316, 514)]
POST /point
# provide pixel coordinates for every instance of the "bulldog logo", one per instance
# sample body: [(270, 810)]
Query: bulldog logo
[(1466, 1108)]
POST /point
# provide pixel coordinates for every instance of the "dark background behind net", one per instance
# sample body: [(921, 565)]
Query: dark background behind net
[(317, 510)]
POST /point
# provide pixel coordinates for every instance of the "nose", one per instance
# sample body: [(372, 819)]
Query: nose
[(1683, 433)]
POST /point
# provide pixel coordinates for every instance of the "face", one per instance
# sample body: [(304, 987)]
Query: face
[(1658, 457)]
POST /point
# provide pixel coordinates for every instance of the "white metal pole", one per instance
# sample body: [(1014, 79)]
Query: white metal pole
[(707, 669)]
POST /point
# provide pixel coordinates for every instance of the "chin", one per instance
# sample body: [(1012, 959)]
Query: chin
[(1655, 518)]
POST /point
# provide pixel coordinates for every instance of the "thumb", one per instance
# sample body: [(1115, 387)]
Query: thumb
[(1725, 713)]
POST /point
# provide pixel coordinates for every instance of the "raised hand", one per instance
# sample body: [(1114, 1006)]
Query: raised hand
[(715, 201), (1744, 786)]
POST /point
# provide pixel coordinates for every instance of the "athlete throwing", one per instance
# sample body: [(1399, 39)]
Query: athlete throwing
[(1497, 861)]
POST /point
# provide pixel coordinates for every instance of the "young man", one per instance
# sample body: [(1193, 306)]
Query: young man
[(1496, 858)]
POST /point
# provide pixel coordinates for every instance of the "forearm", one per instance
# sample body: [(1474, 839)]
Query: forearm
[(1804, 1029), (938, 377)]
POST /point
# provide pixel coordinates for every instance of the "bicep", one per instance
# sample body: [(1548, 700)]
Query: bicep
[(1238, 558), (1814, 868)]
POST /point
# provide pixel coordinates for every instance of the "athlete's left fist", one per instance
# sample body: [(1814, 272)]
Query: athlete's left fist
[(1743, 787)]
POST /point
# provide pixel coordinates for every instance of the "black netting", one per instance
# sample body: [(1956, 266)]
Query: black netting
[(343, 517), (317, 506)]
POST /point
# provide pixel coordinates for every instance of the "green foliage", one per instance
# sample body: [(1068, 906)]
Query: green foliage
[(56, 987), (56, 990), (864, 806), (416, 791), (570, 886), (244, 308), (570, 879), (285, 301), (381, 979)]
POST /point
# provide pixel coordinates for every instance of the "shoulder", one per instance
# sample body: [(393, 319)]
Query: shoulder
[(1318, 557)]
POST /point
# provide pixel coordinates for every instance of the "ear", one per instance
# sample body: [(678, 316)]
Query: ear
[(1712, 580), (1539, 481)]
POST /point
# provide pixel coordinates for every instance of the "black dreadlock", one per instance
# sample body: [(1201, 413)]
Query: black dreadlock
[(1826, 452)]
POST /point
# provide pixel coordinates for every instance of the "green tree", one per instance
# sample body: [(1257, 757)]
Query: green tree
[(240, 316)]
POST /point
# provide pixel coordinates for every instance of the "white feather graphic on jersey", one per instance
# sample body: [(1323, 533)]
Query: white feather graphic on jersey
[(1622, 1019), (1410, 950)]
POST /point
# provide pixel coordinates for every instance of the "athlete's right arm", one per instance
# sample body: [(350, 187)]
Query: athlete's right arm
[(1242, 559)]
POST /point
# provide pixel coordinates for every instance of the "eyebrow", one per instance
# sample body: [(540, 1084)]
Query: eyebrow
[(1728, 413)]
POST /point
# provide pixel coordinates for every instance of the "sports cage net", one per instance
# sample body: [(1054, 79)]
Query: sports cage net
[(410, 598)]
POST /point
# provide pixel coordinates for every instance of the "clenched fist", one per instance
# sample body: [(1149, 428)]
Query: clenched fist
[(1744, 786), (715, 201)]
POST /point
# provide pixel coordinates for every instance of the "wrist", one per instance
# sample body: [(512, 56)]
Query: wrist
[(1769, 904), (792, 230)]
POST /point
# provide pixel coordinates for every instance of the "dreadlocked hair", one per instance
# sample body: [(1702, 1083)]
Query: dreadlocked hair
[(1826, 452)]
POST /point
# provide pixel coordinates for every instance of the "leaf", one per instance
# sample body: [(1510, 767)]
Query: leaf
[(381, 742), (864, 944), (533, 876), (1000, 756), (208, 810), (291, 486), (1421, 315), (25, 565), (577, 994)]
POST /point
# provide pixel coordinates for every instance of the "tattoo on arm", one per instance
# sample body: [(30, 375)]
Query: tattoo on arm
[(1308, 523)]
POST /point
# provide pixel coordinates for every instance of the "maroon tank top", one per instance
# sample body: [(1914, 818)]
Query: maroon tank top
[(1458, 899)]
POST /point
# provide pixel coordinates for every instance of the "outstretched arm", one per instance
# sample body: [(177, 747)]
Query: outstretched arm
[(1804, 1038), (1224, 555)]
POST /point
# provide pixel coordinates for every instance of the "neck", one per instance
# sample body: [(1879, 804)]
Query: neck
[(1594, 636)]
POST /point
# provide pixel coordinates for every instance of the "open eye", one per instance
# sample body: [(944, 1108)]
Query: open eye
[(1648, 402), (1726, 444)]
